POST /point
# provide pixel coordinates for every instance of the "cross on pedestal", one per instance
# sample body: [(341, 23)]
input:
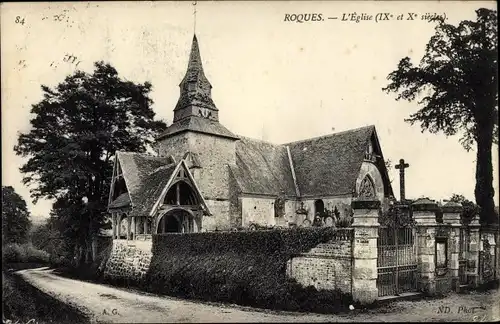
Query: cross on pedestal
[(401, 167)]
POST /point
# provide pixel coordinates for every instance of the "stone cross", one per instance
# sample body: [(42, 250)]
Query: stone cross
[(402, 166)]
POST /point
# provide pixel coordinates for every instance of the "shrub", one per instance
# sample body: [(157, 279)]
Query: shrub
[(12, 253), (247, 268), (23, 253)]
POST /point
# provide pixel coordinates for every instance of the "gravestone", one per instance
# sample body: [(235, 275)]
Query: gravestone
[(329, 221)]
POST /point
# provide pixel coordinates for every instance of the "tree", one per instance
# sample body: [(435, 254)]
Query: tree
[(456, 83), (76, 129), (15, 217), (470, 209), (50, 237)]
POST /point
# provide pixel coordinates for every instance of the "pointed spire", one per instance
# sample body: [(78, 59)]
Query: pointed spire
[(196, 90), (195, 57)]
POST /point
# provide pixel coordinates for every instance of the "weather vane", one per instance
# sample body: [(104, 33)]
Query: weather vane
[(194, 14)]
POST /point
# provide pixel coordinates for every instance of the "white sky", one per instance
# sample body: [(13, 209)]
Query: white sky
[(275, 80)]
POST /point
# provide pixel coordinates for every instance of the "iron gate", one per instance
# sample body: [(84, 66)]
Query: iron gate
[(397, 256), (462, 257)]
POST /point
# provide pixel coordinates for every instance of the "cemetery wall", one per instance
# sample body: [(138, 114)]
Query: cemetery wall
[(129, 260), (326, 266)]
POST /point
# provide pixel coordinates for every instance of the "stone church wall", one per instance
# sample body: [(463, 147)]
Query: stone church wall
[(220, 218), (258, 210), (176, 146), (343, 205), (129, 260), (326, 266), (214, 154), (291, 207)]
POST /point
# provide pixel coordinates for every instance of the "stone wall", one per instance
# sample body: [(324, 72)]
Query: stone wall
[(129, 260), (488, 256), (176, 146), (220, 218), (214, 154), (326, 266), (257, 210)]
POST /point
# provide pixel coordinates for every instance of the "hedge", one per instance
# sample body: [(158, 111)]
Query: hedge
[(246, 268), (23, 253)]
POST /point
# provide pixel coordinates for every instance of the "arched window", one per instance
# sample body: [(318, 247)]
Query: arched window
[(367, 188), (319, 207), (279, 207)]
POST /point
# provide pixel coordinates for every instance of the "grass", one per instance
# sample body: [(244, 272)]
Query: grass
[(23, 303)]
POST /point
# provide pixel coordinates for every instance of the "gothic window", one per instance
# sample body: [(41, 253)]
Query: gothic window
[(367, 188), (319, 207), (279, 207)]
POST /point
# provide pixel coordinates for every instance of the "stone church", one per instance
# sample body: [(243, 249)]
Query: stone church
[(207, 178)]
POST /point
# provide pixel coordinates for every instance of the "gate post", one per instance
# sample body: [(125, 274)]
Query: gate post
[(488, 255), (364, 275), (424, 214), (473, 255), (451, 216)]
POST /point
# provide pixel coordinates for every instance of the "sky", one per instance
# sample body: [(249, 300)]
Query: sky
[(272, 79)]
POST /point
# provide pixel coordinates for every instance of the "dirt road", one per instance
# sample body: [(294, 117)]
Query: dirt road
[(103, 303)]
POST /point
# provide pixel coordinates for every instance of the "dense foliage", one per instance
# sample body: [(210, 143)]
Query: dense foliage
[(15, 217), (23, 253), (470, 209), (247, 268), (49, 237), (76, 129), (456, 83)]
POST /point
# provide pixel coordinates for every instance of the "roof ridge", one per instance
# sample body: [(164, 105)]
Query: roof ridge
[(259, 140), (139, 153), (330, 135)]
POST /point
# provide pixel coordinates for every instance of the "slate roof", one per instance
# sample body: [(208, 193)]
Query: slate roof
[(195, 66), (262, 168), (329, 165), (323, 166), (121, 201), (200, 125), (150, 190), (136, 166), (201, 96), (142, 174)]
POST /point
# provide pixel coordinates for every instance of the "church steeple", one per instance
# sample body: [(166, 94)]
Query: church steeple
[(195, 90)]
